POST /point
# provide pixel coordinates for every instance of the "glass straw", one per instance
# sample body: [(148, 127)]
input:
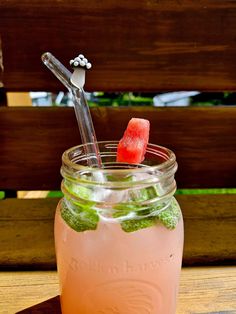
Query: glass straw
[(82, 111)]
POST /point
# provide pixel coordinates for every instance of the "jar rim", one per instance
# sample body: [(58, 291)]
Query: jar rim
[(168, 156)]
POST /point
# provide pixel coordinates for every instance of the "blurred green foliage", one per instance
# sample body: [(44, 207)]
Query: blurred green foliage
[(120, 99), (146, 99), (2, 195)]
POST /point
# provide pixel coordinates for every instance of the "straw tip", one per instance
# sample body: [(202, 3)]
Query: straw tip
[(45, 56)]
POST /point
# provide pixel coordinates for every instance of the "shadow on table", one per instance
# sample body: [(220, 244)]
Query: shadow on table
[(51, 306)]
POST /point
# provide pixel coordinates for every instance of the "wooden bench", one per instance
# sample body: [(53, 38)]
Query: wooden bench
[(147, 46), (33, 140)]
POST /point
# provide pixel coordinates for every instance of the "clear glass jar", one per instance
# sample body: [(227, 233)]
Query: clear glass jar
[(118, 234)]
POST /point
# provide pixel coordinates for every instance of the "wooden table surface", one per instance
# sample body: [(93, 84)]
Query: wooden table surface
[(203, 290)]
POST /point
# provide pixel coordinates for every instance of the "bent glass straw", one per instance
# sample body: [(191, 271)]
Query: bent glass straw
[(82, 111)]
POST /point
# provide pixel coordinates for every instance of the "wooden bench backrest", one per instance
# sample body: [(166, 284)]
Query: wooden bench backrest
[(134, 46), (34, 139), (143, 46)]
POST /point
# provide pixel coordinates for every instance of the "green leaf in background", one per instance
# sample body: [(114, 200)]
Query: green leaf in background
[(205, 191), (2, 195), (55, 194)]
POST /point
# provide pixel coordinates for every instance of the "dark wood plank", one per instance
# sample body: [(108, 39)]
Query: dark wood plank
[(33, 139), (3, 97), (26, 231), (210, 233), (144, 45)]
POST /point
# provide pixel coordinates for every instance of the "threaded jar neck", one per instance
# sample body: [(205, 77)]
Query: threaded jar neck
[(158, 169)]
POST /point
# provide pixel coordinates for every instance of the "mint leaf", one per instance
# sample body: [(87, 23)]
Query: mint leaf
[(119, 178), (80, 218), (136, 223), (78, 190), (171, 215), (145, 194), (132, 225)]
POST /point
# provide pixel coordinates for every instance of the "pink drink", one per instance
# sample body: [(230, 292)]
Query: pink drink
[(119, 241), (109, 271)]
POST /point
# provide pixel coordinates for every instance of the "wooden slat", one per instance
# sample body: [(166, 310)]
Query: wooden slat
[(134, 45), (26, 231), (44, 285), (33, 139), (203, 290), (209, 226), (26, 238)]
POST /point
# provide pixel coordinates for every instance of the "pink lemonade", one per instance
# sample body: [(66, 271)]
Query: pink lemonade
[(119, 234), (109, 271)]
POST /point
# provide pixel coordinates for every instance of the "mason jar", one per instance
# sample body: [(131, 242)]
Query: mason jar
[(118, 233)]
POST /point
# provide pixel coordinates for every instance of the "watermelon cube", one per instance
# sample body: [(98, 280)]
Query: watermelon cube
[(132, 146)]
